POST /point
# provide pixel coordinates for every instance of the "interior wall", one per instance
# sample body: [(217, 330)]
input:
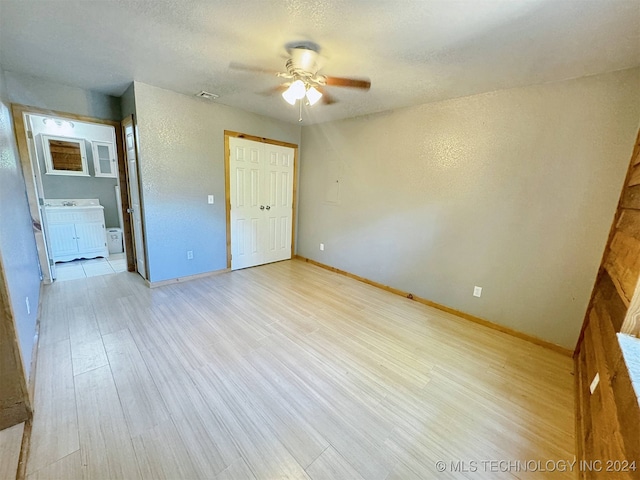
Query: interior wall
[(181, 146), (45, 94), (128, 103), (513, 191), (18, 254)]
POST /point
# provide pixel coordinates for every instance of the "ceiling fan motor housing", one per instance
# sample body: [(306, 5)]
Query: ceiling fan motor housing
[(303, 62)]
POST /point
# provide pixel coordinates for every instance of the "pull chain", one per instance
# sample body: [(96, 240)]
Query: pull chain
[(300, 118)]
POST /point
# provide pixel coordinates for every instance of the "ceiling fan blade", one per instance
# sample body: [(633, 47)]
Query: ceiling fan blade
[(348, 82), (273, 90), (251, 68), (327, 99)]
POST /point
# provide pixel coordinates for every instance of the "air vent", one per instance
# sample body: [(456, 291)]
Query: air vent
[(207, 95)]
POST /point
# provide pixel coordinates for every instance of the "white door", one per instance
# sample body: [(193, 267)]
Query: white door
[(134, 195), (247, 208), (278, 201), (261, 195)]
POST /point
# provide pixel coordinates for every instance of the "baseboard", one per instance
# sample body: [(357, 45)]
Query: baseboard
[(186, 279), (481, 321)]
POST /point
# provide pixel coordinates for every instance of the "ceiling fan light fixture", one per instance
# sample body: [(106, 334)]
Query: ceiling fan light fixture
[(313, 95), (289, 97), (296, 91)]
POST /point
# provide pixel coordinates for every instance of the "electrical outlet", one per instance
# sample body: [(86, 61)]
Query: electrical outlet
[(26, 300), (477, 291), (210, 199), (322, 247), (189, 254)]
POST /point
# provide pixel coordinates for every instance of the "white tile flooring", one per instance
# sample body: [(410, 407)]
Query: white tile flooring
[(91, 268)]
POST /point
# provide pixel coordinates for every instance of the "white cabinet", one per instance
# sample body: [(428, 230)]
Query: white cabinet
[(76, 232), (104, 159)]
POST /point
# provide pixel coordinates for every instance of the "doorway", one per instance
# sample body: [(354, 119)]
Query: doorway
[(261, 200), (73, 168)]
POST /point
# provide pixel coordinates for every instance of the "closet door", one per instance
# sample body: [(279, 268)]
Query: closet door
[(246, 164), (279, 202), (261, 196)]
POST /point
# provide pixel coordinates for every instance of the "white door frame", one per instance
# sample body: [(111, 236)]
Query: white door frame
[(227, 152)]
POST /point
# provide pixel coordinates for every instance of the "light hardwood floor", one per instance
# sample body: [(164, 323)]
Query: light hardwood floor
[(283, 371), (10, 443)]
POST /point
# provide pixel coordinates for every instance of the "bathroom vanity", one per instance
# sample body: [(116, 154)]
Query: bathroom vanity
[(76, 229)]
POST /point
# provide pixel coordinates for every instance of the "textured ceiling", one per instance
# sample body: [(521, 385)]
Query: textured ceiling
[(414, 51)]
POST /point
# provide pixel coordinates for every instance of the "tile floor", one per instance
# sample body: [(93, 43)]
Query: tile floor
[(91, 268)]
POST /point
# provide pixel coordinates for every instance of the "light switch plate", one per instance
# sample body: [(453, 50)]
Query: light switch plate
[(477, 291), (210, 199), (594, 383)]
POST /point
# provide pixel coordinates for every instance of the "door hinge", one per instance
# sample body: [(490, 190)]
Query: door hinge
[(41, 201), (30, 134), (51, 262)]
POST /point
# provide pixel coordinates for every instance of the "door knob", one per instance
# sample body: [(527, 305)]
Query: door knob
[(268, 207), (261, 207)]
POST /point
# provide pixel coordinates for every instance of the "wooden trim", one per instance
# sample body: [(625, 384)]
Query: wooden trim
[(21, 473), (18, 409), (131, 254), (294, 201), (18, 112), (253, 138), (31, 386), (188, 278), (486, 323), (127, 227), (227, 195), (612, 231)]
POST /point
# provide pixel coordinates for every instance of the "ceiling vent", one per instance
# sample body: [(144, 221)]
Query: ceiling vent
[(207, 95)]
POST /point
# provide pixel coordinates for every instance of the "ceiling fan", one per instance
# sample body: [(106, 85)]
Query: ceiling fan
[(303, 82)]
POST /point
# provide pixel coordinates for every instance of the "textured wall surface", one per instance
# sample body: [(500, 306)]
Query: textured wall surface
[(181, 162), (17, 244), (45, 94), (513, 191)]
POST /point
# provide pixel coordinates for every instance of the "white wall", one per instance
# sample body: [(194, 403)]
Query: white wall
[(513, 191), (18, 253), (181, 143)]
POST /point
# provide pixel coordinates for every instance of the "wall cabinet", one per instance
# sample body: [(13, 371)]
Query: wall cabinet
[(65, 156), (76, 232), (104, 159)]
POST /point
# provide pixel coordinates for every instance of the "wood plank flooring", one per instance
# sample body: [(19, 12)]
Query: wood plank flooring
[(283, 371), (10, 443)]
